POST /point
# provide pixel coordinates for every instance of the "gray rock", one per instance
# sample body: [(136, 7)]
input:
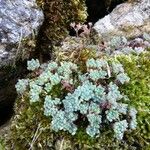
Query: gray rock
[(19, 19), (127, 19)]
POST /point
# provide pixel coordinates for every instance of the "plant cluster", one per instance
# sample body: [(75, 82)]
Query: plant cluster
[(120, 45), (51, 85), (73, 97), (82, 48)]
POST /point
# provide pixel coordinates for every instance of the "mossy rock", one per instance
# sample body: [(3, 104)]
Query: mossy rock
[(30, 129), (58, 16)]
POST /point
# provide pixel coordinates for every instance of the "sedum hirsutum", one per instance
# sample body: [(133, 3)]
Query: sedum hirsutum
[(21, 85), (122, 77), (50, 106), (114, 94), (94, 124), (117, 41), (119, 128), (33, 64), (133, 121), (91, 97), (112, 115), (122, 108), (34, 92), (146, 36), (117, 68), (120, 45)]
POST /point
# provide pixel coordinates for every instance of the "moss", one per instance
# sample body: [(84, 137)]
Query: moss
[(58, 16), (26, 126), (2, 145), (30, 129), (138, 90)]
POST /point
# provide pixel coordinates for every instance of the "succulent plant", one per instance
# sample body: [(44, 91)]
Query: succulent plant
[(95, 108), (33, 64), (21, 85), (81, 94)]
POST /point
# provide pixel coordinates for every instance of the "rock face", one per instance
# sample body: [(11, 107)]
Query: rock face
[(127, 19), (19, 19)]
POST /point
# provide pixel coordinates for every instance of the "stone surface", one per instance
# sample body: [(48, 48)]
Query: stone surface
[(18, 20), (127, 19)]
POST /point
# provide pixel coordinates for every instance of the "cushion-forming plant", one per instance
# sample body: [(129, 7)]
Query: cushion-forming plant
[(72, 96)]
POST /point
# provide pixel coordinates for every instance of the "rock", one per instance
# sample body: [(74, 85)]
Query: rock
[(127, 19), (19, 19)]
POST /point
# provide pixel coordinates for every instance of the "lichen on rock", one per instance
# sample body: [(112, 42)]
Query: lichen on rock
[(128, 19), (18, 21)]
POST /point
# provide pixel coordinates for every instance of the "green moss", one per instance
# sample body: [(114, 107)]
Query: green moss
[(138, 91), (26, 126), (2, 146), (30, 129)]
